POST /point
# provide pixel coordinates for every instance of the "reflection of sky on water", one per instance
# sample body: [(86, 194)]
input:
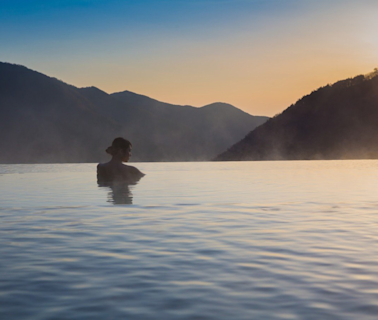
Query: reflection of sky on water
[(265, 182), (236, 240)]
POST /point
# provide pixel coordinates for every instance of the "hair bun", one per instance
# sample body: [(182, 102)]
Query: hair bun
[(110, 150)]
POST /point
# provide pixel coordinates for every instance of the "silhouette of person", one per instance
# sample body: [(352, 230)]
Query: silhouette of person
[(115, 170)]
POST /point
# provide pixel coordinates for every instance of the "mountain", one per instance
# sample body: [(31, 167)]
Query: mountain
[(205, 130), (43, 119), (338, 121)]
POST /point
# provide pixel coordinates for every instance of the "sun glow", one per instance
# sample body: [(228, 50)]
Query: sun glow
[(260, 58)]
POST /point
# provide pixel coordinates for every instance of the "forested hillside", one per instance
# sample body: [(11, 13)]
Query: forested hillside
[(338, 121)]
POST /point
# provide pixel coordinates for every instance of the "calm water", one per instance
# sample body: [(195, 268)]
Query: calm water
[(249, 240)]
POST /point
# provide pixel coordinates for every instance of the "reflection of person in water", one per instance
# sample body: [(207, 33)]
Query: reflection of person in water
[(115, 170), (119, 192)]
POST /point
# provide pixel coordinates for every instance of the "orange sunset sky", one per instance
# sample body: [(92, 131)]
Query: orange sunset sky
[(260, 56)]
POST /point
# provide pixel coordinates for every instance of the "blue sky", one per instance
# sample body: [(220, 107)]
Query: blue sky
[(194, 52), (68, 20)]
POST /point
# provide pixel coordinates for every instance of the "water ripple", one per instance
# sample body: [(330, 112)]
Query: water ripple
[(186, 260)]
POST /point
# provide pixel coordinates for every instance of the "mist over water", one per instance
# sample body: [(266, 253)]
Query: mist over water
[(235, 240)]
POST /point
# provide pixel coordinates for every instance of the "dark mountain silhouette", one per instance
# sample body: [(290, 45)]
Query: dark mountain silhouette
[(338, 121), (43, 119)]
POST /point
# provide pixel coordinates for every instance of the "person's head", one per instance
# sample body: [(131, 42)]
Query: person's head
[(121, 149)]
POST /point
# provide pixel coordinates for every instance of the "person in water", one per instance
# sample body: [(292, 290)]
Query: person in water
[(115, 170)]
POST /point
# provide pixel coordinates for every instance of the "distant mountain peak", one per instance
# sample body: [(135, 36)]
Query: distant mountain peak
[(25, 70), (128, 95), (57, 122), (126, 92), (93, 89), (219, 105), (337, 121)]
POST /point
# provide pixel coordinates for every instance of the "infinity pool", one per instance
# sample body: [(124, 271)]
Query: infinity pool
[(236, 240)]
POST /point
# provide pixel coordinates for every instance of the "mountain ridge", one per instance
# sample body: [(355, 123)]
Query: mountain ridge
[(337, 121), (43, 119)]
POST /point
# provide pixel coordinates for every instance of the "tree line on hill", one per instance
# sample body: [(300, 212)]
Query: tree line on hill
[(338, 121)]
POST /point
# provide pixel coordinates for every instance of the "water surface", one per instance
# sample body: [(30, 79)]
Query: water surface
[(236, 240)]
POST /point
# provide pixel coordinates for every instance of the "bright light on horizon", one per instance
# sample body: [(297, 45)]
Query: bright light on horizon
[(259, 57)]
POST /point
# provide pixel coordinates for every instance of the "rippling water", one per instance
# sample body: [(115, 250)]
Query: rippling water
[(248, 240)]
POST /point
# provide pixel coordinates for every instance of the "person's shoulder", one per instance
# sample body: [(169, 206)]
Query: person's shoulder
[(101, 173), (101, 166), (134, 171)]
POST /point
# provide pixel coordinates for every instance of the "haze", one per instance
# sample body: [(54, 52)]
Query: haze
[(260, 56)]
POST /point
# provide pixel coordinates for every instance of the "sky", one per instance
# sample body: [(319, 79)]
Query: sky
[(258, 55)]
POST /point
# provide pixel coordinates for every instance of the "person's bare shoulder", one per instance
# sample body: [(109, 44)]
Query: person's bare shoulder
[(134, 173), (101, 168), (101, 172)]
